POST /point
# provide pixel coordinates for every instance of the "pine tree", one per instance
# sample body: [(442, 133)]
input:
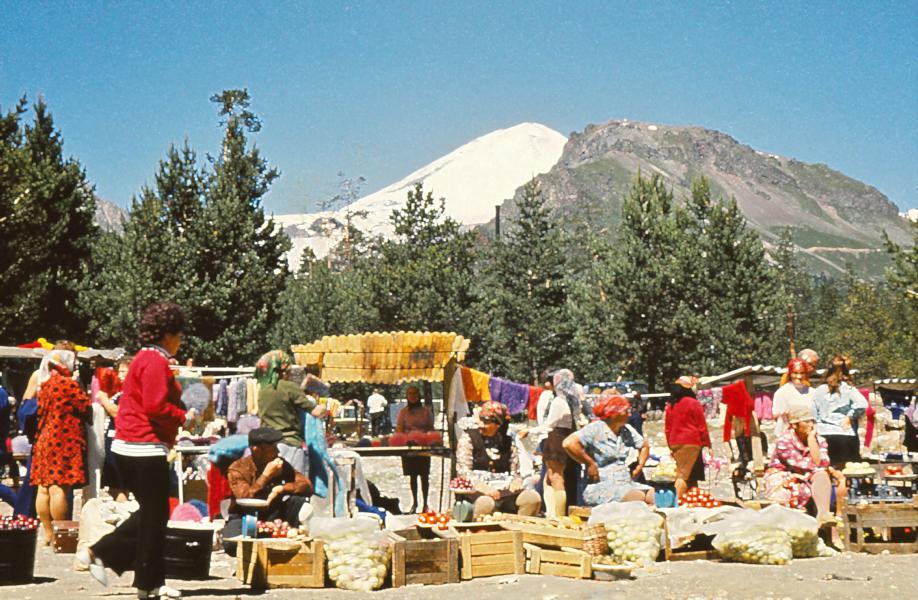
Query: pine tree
[(151, 261), (645, 280), (239, 263), (47, 216), (524, 324), (733, 290), (422, 279)]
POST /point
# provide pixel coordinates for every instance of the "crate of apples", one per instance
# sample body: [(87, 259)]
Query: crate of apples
[(894, 471), (698, 498), (434, 519), (276, 529)]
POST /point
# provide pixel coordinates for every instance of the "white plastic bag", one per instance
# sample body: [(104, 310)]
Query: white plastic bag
[(632, 530), (683, 524), (748, 536), (801, 527), (358, 552)]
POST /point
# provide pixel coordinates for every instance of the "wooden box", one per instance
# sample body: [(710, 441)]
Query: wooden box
[(66, 536), (279, 563), (548, 533), (421, 557), (880, 518), (488, 549), (697, 548), (568, 562)]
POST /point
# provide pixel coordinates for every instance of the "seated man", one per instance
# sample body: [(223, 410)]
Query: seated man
[(265, 475)]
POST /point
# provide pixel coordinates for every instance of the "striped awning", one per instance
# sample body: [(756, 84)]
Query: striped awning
[(897, 383), (382, 357)]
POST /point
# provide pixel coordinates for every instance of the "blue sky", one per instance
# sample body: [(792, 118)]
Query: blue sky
[(379, 89)]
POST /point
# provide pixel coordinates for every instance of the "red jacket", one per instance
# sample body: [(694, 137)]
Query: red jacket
[(150, 409), (685, 423)]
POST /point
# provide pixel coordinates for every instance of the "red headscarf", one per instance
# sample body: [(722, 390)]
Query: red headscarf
[(611, 406), (797, 365)]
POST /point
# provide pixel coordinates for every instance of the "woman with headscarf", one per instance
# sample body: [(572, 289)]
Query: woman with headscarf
[(838, 406), (414, 416), (799, 470), (58, 454), (605, 446), (279, 404), (489, 459), (558, 423), (795, 393), (686, 433)]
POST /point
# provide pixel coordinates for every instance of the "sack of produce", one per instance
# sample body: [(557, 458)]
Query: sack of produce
[(358, 552), (801, 527), (632, 530), (748, 536)]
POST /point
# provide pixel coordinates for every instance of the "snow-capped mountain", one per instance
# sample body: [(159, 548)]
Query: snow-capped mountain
[(473, 179)]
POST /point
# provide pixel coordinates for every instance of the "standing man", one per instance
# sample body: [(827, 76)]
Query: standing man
[(376, 406)]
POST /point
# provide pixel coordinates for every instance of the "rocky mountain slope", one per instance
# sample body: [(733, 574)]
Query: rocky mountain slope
[(109, 215), (834, 218)]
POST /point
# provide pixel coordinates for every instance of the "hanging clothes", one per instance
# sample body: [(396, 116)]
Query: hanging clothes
[(475, 384), (763, 406), (515, 396), (534, 394), (221, 398), (739, 404), (251, 395)]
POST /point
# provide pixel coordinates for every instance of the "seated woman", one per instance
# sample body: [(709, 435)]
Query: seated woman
[(488, 457), (604, 446), (799, 470), (838, 406)]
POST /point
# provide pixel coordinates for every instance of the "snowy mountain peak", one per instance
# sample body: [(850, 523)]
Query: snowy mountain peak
[(472, 179)]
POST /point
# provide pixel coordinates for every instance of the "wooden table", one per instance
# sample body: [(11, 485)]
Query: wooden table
[(859, 518)]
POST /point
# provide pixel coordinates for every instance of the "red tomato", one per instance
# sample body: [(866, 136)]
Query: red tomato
[(422, 519), (443, 519)]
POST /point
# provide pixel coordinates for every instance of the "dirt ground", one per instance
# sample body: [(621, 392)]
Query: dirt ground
[(845, 576)]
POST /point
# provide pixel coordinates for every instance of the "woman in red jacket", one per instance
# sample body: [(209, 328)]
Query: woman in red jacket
[(686, 433), (149, 415)]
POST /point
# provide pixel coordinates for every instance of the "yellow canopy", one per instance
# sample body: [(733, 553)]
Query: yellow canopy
[(384, 358)]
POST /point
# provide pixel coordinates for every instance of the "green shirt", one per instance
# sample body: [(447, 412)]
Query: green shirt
[(278, 409)]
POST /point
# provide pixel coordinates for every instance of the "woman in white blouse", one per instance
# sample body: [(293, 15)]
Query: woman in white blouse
[(795, 393)]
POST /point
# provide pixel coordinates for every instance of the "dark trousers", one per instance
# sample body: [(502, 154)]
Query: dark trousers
[(138, 542)]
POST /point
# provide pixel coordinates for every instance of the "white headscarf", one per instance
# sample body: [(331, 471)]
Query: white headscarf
[(62, 358)]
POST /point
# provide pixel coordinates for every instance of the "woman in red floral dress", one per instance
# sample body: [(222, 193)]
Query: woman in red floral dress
[(58, 454)]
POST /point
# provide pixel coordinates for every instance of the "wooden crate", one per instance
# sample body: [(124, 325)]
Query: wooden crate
[(699, 548), (567, 562), (66, 536), (878, 517), (422, 557), (582, 512), (547, 532), (279, 563), (488, 549)]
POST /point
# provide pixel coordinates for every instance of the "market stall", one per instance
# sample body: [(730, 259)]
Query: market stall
[(389, 358)]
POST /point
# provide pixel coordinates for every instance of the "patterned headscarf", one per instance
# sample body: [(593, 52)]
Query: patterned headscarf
[(56, 360), (566, 388), (494, 410), (270, 366), (611, 405)]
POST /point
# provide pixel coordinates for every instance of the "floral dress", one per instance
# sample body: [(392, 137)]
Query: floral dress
[(791, 470), (58, 454), (611, 452)]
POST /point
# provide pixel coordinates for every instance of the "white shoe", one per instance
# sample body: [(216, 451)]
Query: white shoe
[(96, 568), (163, 591)]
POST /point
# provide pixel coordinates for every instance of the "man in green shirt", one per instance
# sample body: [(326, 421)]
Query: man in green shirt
[(279, 404)]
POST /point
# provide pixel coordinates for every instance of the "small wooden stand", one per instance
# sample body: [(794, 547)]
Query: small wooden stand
[(492, 550), (568, 562), (416, 560), (858, 518), (66, 536), (277, 563)]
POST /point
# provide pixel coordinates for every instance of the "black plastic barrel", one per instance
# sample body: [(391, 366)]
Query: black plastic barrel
[(187, 552), (17, 556)]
